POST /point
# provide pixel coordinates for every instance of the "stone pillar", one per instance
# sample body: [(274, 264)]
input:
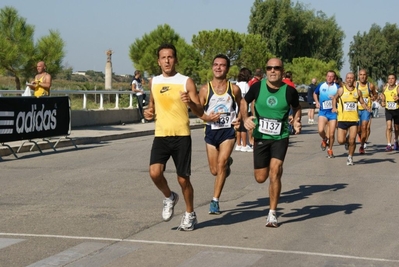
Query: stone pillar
[(108, 71)]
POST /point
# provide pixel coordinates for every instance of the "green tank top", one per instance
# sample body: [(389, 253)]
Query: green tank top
[(271, 114)]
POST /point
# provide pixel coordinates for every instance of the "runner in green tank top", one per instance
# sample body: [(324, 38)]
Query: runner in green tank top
[(272, 100)]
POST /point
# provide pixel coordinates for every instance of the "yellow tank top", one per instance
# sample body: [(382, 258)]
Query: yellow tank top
[(347, 107), (171, 114), (40, 91), (390, 103), (365, 93)]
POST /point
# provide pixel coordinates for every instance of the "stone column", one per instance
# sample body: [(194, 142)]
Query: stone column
[(108, 71)]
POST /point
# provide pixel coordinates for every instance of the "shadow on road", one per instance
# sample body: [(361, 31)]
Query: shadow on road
[(249, 210)]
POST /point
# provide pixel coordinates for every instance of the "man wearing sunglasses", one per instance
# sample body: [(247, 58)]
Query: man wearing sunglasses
[(272, 102)]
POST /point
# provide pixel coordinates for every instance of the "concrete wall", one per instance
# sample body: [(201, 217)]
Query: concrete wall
[(81, 118)]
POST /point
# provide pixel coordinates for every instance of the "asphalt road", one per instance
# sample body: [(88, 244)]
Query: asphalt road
[(96, 206)]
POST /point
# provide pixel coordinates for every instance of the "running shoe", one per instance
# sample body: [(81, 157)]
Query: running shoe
[(188, 222), (388, 148), (214, 207), (271, 220), (246, 148), (330, 154), (361, 150), (169, 206), (396, 146), (229, 162), (349, 161), (238, 148), (323, 144)]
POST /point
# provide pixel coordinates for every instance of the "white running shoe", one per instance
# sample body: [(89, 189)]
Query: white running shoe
[(349, 161), (247, 149), (238, 148), (188, 222), (271, 220), (169, 206)]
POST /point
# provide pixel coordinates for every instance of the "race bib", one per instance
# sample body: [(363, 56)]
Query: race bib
[(366, 100), (350, 106), (223, 122), (391, 105), (327, 104), (269, 126)]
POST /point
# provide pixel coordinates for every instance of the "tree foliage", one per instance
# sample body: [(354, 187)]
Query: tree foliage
[(18, 52), (291, 31), (305, 69), (143, 52), (377, 51)]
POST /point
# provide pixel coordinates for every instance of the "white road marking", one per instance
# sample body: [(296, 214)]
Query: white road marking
[(205, 245)]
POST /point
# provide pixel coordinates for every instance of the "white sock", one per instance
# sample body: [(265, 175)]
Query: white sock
[(215, 199), (272, 211)]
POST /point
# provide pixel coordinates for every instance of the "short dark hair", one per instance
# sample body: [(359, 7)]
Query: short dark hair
[(258, 73), (392, 74), (333, 71), (167, 46), (224, 57), (288, 74), (244, 75)]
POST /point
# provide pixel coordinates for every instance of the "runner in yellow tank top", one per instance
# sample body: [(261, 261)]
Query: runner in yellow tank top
[(369, 95), (390, 101), (347, 98), (42, 83), (171, 95)]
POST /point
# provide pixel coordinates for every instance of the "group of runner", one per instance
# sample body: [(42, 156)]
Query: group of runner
[(347, 107), (224, 109)]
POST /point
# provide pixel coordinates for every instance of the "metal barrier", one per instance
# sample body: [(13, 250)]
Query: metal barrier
[(28, 118), (84, 93)]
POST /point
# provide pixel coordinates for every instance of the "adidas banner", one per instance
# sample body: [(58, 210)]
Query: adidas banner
[(26, 118)]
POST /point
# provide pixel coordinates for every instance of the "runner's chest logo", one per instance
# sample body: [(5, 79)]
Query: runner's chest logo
[(271, 101)]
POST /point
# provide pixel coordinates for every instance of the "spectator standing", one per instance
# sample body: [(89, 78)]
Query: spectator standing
[(137, 87), (42, 82), (311, 102), (241, 135)]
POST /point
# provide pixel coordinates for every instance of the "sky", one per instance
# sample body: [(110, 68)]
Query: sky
[(89, 28)]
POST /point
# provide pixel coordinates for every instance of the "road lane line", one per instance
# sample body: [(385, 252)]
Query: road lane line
[(205, 246)]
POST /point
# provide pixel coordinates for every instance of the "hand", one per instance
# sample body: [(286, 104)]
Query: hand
[(249, 124), (317, 105), (236, 124), (334, 110), (214, 117), (149, 114), (185, 97), (297, 126), (290, 119)]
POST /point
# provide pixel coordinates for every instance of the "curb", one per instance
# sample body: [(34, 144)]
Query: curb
[(46, 145)]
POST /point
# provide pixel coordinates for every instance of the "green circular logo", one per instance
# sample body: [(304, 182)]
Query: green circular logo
[(271, 101)]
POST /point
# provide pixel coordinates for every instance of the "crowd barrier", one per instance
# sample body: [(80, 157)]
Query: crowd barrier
[(29, 118)]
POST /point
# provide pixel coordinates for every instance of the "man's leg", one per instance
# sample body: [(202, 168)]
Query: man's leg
[(217, 160), (276, 172), (352, 140), (156, 174), (321, 129), (140, 106), (188, 192), (332, 125)]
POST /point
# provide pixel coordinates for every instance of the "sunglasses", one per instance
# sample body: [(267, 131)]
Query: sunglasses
[(277, 68)]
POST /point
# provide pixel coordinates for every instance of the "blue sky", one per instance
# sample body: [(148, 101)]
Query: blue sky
[(89, 28)]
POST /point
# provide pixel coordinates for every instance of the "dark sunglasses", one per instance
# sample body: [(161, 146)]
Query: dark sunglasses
[(277, 68)]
